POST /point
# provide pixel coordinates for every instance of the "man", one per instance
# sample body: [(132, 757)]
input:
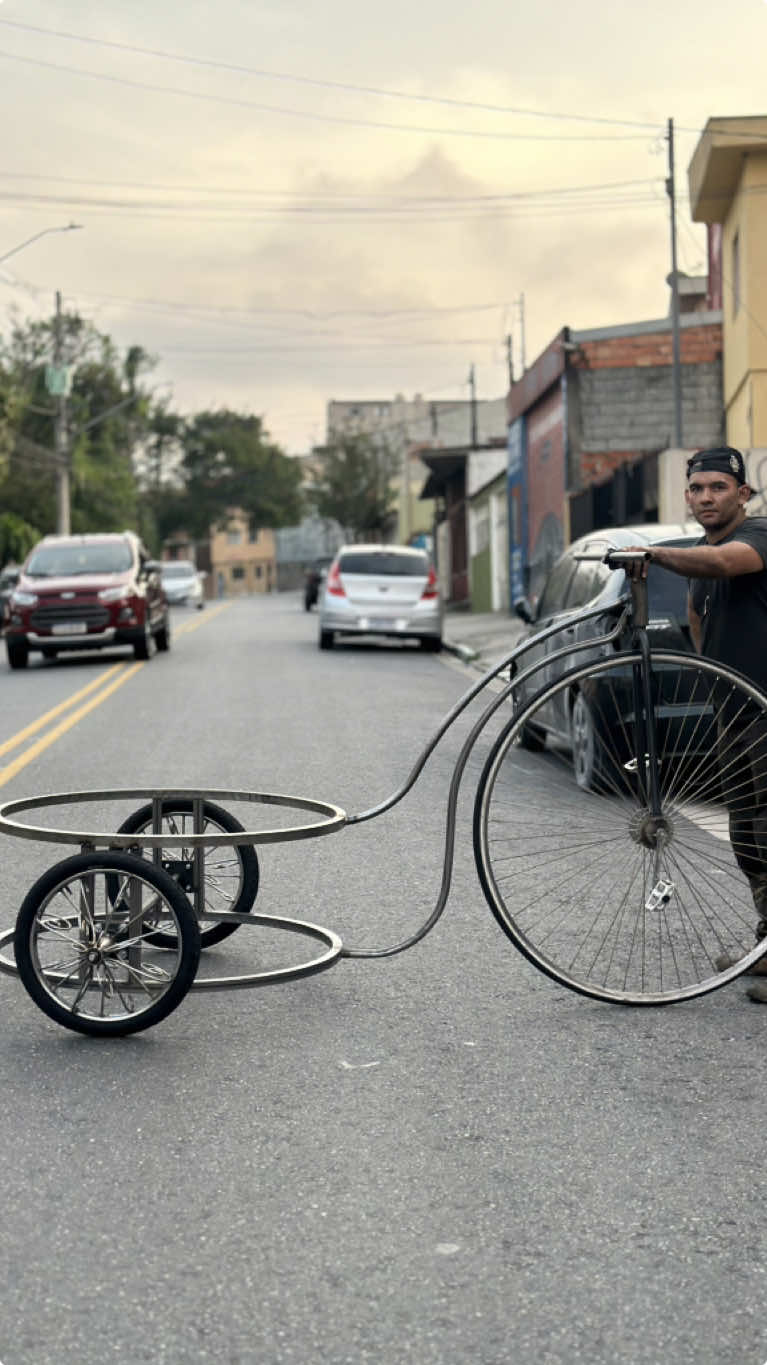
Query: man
[(727, 610)]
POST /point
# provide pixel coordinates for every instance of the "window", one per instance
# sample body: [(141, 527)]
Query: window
[(253, 534), (234, 537), (555, 591), (735, 274), (581, 587), (238, 571), (259, 571), (387, 562)]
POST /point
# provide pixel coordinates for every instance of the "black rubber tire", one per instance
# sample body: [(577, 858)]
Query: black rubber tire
[(140, 821), (113, 863), (142, 647), (327, 639), (162, 637), (431, 643), (49, 653), (18, 653), (531, 739)]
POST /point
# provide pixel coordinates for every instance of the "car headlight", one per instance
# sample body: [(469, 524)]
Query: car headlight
[(24, 599), (112, 595)]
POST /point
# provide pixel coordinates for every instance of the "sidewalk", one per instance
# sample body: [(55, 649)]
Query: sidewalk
[(481, 638)]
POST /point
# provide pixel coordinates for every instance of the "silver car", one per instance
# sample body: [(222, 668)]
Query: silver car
[(389, 590), (182, 583)]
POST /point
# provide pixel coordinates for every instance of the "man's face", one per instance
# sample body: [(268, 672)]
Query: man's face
[(716, 500)]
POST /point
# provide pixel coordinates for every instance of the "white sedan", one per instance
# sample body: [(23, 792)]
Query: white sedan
[(182, 583)]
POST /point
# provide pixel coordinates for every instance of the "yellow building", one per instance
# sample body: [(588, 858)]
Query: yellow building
[(242, 559), (728, 187), (235, 561)]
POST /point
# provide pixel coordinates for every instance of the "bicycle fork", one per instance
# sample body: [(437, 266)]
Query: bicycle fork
[(653, 829)]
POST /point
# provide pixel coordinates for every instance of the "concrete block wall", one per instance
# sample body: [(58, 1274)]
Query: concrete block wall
[(631, 409)]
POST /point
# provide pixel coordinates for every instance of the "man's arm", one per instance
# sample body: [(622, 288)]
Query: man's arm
[(707, 561), (696, 625)]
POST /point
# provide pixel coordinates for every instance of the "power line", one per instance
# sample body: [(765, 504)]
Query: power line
[(335, 119), (262, 73), (317, 196)]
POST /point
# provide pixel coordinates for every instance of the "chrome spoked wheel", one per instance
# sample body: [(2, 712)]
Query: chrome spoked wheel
[(83, 951), (230, 874), (607, 892)]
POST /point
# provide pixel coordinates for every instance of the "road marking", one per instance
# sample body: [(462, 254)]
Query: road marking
[(38, 724), (120, 673), (42, 744), (201, 619)]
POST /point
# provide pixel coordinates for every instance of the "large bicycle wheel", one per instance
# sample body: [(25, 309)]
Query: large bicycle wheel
[(230, 873), (83, 952), (599, 890)]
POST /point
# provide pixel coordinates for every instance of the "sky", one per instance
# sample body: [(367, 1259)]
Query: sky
[(287, 203)]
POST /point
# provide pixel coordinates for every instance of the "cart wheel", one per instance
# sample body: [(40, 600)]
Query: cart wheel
[(230, 874), (82, 950)]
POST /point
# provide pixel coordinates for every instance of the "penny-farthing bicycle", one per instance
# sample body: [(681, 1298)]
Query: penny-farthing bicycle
[(620, 827)]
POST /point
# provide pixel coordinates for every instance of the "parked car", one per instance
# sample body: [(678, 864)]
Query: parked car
[(87, 592), (572, 719), (182, 583), (314, 577), (389, 590)]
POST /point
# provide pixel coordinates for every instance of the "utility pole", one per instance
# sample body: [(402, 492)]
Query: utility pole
[(59, 385), (510, 358), (676, 362), (473, 392), (522, 332)]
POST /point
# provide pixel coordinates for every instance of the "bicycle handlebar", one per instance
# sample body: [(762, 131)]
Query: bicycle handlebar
[(617, 559)]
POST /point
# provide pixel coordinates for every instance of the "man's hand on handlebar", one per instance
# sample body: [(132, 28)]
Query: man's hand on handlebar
[(634, 559)]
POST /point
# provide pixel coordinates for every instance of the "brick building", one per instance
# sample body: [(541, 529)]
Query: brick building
[(588, 422)]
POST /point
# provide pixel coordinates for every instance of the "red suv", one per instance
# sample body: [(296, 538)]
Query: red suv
[(86, 592)]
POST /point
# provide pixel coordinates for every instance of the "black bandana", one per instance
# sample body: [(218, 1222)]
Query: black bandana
[(722, 460)]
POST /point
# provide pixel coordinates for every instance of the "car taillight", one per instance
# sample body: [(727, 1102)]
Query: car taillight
[(432, 586), (334, 584)]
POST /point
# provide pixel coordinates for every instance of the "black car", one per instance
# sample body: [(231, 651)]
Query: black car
[(573, 718)]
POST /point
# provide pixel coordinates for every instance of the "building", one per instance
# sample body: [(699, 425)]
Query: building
[(728, 191), (467, 487), (587, 424), (236, 560), (410, 427)]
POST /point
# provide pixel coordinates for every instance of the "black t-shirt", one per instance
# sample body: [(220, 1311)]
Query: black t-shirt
[(733, 611)]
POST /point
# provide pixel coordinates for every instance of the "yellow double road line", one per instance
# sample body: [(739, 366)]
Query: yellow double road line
[(101, 687), (119, 675)]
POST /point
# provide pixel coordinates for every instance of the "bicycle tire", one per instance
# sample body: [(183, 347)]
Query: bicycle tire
[(110, 981), (230, 885), (576, 878)]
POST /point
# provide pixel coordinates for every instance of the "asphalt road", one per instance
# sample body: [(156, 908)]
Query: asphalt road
[(435, 1157)]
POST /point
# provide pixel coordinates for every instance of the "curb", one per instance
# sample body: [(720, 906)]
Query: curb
[(464, 652)]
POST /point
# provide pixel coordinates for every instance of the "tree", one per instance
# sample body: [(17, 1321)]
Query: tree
[(228, 462), (355, 485), (108, 414)]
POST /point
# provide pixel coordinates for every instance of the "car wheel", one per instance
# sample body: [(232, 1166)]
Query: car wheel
[(587, 747), (142, 648), (431, 643), (326, 639), (532, 739), (162, 637), (18, 653), (49, 653)]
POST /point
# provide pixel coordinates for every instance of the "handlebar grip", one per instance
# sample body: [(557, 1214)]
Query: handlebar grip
[(618, 559)]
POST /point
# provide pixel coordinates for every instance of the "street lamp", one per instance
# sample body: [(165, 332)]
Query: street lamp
[(66, 227)]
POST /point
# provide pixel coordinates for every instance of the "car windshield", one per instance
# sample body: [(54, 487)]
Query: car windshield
[(178, 570), (388, 563), (60, 561)]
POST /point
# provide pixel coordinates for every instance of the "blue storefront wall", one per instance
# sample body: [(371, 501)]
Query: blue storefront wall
[(517, 493)]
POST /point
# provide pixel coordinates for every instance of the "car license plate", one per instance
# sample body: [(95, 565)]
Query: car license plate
[(69, 628)]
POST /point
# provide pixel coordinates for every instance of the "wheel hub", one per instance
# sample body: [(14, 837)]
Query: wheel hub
[(650, 830)]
